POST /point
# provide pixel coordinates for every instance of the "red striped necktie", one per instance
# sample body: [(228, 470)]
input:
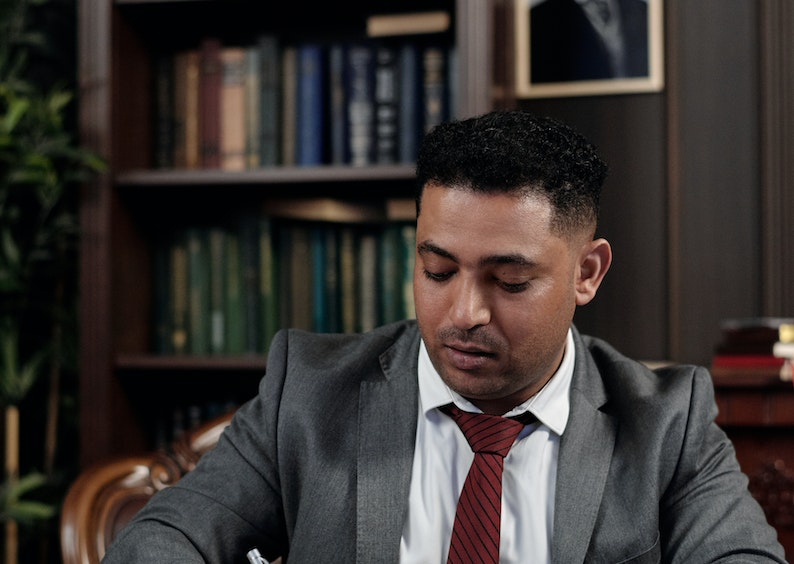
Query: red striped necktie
[(475, 534)]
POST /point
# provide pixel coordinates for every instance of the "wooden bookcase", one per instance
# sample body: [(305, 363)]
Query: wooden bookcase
[(123, 384)]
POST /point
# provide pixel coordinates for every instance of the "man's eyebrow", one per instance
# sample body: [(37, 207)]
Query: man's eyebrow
[(515, 258), (512, 258), (428, 247)]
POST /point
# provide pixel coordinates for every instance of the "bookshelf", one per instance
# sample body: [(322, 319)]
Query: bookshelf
[(128, 391)]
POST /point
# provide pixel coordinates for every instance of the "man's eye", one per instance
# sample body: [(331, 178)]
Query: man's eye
[(437, 276), (514, 288)]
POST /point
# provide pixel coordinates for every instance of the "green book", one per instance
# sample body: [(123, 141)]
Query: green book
[(198, 294), (235, 326), (217, 290), (268, 282), (390, 273)]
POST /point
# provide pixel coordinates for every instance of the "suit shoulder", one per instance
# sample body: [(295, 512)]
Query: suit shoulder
[(624, 377)]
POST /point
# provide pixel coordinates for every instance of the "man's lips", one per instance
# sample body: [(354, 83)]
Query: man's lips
[(466, 356)]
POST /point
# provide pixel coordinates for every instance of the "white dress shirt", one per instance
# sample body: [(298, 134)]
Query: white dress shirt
[(442, 458)]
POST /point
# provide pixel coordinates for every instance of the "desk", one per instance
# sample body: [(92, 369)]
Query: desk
[(758, 416)]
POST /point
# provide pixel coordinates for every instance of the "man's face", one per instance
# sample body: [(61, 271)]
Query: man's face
[(494, 291)]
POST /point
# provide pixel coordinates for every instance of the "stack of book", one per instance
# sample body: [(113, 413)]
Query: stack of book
[(357, 101), (227, 288), (759, 348)]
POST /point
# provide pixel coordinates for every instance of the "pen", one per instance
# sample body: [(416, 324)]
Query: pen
[(254, 557)]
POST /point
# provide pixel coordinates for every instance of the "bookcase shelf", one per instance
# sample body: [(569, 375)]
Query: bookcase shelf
[(131, 214), (329, 174)]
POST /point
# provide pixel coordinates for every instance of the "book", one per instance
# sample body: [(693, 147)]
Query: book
[(164, 111), (333, 322), (248, 228), (288, 104), (161, 300), (408, 232), (232, 140), (268, 280), (233, 302), (319, 266), (360, 103), (347, 279), (386, 99), (188, 103), (217, 289), (410, 116), (433, 86), (310, 100), (270, 96), (178, 296), (198, 294), (252, 122), (300, 275), (209, 102), (753, 335), (390, 273), (411, 23), (367, 282), (179, 109), (337, 117)]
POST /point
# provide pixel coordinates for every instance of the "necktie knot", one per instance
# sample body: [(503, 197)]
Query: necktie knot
[(485, 433)]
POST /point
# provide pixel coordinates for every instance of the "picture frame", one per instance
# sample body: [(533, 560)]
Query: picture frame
[(565, 48)]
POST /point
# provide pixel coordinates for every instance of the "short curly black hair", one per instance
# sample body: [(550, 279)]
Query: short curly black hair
[(513, 151)]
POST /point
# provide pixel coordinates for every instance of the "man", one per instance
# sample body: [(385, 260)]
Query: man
[(352, 449)]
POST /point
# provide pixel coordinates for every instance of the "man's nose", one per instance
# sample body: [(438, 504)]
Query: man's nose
[(470, 306)]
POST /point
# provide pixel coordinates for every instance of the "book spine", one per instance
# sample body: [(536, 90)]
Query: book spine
[(347, 279), (360, 105), (410, 95), (408, 254), (198, 291), (340, 153), (209, 102), (234, 306), (310, 99), (249, 265), (270, 74), (192, 111), (217, 290), (164, 110), (178, 296), (252, 115), (386, 104), (300, 278), (288, 115), (268, 281), (434, 93), (318, 278), (368, 282), (179, 108), (232, 109)]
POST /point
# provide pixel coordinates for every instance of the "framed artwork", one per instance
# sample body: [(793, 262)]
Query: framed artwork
[(588, 47)]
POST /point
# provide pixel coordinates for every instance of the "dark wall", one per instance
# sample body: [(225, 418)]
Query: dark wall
[(681, 205)]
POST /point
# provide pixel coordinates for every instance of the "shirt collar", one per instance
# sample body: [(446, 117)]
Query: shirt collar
[(550, 405)]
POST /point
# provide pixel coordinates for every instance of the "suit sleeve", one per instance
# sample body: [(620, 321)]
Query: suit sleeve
[(230, 503), (707, 512)]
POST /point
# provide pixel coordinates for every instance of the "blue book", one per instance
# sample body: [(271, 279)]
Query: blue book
[(310, 101), (410, 113), (360, 70)]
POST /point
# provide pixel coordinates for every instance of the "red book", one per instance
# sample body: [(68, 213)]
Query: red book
[(210, 76)]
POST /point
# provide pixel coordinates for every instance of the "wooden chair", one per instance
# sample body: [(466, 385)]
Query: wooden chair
[(105, 496)]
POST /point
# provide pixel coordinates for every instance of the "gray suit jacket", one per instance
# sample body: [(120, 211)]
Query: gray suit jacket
[(317, 467)]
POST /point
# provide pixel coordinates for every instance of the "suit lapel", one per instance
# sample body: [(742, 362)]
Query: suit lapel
[(385, 454), (585, 456)]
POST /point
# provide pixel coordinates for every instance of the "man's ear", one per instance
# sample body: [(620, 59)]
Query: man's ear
[(594, 260)]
